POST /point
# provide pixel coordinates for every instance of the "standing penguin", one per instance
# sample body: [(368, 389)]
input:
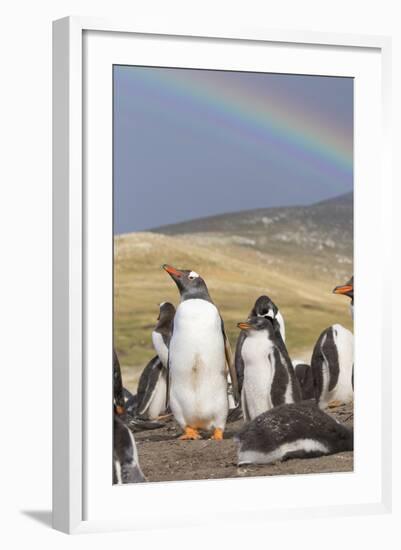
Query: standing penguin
[(198, 354), (297, 430), (263, 307), (332, 366), (269, 378), (152, 385), (347, 290), (161, 334), (126, 467)]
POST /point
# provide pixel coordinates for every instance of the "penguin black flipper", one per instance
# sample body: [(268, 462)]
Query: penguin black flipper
[(239, 362), (168, 385), (168, 369), (118, 390), (230, 364), (303, 373), (325, 352), (296, 388), (147, 384), (138, 424)]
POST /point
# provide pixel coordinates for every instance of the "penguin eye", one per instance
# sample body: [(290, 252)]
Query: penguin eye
[(193, 275)]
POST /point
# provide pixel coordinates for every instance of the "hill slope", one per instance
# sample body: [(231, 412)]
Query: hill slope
[(318, 237), (314, 226)]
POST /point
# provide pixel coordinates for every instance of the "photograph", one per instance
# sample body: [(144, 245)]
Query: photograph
[(233, 261)]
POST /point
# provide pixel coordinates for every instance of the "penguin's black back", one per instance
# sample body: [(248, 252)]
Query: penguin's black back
[(292, 422), (164, 324), (303, 373), (127, 394), (283, 356), (118, 391), (131, 405), (147, 382), (325, 350), (239, 362)]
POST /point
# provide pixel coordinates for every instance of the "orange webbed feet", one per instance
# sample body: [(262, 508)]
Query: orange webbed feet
[(190, 434), (217, 434)]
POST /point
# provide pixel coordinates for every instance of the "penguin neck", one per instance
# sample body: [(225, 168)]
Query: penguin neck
[(196, 294)]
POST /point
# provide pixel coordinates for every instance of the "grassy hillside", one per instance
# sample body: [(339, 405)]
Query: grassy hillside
[(298, 277), (322, 231)]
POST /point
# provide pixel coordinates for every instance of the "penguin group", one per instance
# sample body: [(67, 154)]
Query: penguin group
[(195, 378)]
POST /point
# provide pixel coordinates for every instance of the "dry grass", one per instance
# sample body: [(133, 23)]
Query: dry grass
[(235, 275)]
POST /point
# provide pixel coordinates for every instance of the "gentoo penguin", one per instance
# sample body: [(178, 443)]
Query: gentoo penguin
[(296, 430), (152, 390), (130, 412), (162, 332), (263, 307), (126, 467), (150, 400), (332, 366), (269, 378), (304, 375), (198, 354), (347, 290), (118, 390)]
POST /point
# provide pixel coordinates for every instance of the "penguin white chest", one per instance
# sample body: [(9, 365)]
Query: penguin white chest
[(198, 384), (160, 347), (158, 403), (258, 356), (344, 342)]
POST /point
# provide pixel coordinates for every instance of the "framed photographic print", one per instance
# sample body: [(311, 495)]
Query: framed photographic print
[(217, 197)]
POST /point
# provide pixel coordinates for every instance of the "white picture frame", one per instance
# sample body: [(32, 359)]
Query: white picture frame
[(83, 49)]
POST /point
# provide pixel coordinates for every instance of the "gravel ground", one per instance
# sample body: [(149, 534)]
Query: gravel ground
[(163, 457)]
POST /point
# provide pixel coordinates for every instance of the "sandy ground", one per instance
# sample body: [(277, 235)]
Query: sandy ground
[(165, 458)]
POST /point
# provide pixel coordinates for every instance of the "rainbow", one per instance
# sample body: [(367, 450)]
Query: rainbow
[(267, 118)]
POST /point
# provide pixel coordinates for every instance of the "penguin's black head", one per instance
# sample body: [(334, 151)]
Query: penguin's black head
[(166, 311), (264, 307), (346, 290), (189, 283), (258, 323)]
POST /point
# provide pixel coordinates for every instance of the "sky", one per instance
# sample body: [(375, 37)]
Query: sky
[(190, 143)]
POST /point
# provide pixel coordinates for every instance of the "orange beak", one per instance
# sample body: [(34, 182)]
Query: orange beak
[(172, 270), (244, 326), (344, 289)]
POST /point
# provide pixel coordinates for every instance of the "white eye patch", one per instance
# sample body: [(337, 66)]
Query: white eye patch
[(162, 304), (193, 275), (270, 313)]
